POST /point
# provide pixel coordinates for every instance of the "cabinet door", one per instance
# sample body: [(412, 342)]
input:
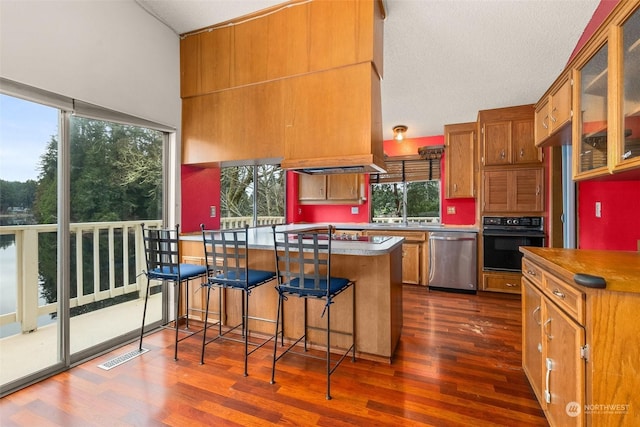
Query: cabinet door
[(564, 368), (411, 263), (343, 187), (524, 149), (312, 187), (560, 108), (497, 143), (532, 361), (495, 188), (590, 129), (526, 190), (459, 160), (542, 126)]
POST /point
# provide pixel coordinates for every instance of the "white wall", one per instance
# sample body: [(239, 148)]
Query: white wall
[(106, 52)]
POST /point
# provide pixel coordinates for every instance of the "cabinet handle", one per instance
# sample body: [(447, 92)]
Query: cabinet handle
[(455, 188), (547, 393), (531, 273), (522, 152), (502, 154), (511, 285), (545, 329), (544, 124), (533, 314), (537, 190), (553, 119), (559, 293)]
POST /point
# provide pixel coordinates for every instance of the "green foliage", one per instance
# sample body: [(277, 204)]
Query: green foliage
[(237, 190), (116, 175), (423, 199)]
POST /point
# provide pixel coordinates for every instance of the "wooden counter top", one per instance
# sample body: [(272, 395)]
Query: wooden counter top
[(620, 269)]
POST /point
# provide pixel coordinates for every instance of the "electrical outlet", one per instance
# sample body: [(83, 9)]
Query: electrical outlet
[(451, 210), (598, 210), (212, 211), (355, 210)]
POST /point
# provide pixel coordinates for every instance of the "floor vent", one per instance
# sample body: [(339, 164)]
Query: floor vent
[(109, 364)]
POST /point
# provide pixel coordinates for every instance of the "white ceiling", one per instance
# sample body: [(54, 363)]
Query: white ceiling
[(444, 60)]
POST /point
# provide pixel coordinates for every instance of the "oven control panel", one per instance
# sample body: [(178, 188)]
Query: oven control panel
[(506, 222)]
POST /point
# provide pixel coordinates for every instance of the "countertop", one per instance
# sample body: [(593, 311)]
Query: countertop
[(406, 227), (620, 269), (262, 238)]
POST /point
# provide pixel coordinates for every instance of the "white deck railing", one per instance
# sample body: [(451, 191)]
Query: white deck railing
[(27, 279)]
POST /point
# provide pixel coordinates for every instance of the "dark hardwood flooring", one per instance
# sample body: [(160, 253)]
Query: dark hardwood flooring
[(458, 364)]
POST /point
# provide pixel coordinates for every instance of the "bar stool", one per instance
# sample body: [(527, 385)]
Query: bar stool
[(162, 254), (227, 260), (303, 267)]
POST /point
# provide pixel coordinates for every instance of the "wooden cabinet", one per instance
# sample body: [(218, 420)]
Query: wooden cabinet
[(580, 345), (552, 349), (532, 361), (501, 282), (513, 190), (553, 113), (508, 136), (606, 134), (415, 254), (460, 160), (330, 189)]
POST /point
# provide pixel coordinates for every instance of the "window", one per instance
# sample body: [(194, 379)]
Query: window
[(253, 195), (408, 193)]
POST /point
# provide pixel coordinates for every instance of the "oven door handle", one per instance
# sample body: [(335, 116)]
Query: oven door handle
[(451, 238)]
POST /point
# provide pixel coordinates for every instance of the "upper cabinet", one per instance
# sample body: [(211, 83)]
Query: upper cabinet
[(330, 189), (507, 136), (591, 126), (460, 160), (606, 92), (299, 83), (553, 114), (626, 153)]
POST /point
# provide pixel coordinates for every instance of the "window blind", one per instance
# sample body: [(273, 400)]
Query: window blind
[(409, 169)]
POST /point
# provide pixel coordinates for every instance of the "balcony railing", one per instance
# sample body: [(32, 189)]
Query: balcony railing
[(28, 306)]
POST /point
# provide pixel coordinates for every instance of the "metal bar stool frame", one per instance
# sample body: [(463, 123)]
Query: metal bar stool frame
[(163, 261), (295, 279), (227, 260)]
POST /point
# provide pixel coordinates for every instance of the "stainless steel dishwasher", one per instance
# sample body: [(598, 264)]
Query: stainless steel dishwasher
[(452, 261)]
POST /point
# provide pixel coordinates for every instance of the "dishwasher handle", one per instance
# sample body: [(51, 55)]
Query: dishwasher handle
[(431, 237)]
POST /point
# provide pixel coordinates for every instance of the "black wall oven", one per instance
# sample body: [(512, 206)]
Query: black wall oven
[(502, 238)]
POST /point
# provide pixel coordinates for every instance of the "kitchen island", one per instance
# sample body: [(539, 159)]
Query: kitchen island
[(374, 264), (581, 344)]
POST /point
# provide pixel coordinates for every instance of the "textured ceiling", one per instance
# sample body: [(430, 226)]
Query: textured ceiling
[(444, 60)]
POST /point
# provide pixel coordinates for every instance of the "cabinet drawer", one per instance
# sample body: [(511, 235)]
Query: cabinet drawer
[(566, 297), (532, 272), (502, 283)]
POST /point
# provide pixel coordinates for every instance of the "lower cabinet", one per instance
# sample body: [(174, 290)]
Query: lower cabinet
[(580, 346), (415, 254), (501, 282)]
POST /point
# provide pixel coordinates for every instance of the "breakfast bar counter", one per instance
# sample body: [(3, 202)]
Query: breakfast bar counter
[(374, 264)]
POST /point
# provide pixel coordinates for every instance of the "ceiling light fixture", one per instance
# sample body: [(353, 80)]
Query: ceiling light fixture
[(398, 132)]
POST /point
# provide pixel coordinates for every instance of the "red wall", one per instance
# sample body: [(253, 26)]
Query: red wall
[(465, 209), (200, 190), (618, 228)]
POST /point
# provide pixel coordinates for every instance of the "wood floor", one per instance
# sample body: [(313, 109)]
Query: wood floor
[(457, 364)]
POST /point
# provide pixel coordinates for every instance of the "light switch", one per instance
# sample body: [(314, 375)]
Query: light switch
[(355, 210), (598, 210), (212, 211)]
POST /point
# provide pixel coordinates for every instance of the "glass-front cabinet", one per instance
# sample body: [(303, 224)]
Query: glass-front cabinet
[(606, 97), (628, 153), (592, 119)]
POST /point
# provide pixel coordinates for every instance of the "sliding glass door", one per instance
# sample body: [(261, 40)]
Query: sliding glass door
[(74, 191)]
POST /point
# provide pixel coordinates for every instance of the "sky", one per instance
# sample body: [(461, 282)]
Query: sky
[(25, 130)]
